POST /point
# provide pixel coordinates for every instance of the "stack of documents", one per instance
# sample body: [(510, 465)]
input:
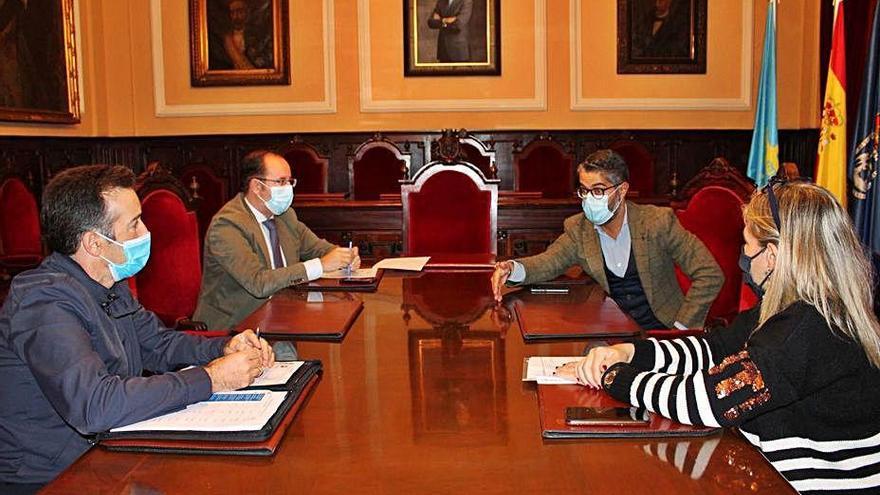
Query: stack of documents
[(540, 369), (242, 410), (413, 264)]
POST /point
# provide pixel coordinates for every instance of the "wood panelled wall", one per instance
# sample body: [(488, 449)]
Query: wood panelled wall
[(524, 226), (678, 154)]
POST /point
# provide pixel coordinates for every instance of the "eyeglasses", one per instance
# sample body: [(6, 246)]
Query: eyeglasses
[(281, 182), (597, 191)]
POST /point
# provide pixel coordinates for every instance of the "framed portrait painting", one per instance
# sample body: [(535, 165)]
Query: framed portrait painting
[(451, 37), (38, 71), (661, 36), (239, 42)]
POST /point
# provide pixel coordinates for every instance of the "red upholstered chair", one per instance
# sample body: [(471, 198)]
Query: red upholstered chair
[(714, 214), (449, 212), (476, 152), (20, 244), (310, 169), (641, 166), (376, 169), (169, 284), (544, 165), (208, 193)]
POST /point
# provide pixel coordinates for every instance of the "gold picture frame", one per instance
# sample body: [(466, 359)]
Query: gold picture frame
[(239, 42), (39, 82)]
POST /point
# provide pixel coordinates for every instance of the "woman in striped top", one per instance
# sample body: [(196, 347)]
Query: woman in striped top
[(800, 374)]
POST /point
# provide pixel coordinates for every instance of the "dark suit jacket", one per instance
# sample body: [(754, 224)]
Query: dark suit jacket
[(453, 44), (238, 276), (658, 243)]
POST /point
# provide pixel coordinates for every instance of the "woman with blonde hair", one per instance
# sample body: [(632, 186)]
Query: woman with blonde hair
[(799, 374)]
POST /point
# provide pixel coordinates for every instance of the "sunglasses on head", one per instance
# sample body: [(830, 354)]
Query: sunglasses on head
[(778, 181)]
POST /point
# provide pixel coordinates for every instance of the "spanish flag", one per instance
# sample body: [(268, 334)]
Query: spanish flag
[(831, 166)]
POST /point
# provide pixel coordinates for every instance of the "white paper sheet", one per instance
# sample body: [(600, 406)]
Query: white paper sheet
[(540, 369), (277, 374), (224, 411), (412, 263)]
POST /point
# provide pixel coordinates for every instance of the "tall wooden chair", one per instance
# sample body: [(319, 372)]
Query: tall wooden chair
[(20, 244), (169, 284), (376, 169), (544, 165), (450, 212), (641, 166)]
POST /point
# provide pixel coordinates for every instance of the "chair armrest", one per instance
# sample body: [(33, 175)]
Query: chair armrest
[(184, 324)]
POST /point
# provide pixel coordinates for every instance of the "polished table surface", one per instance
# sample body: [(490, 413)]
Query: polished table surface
[(425, 395)]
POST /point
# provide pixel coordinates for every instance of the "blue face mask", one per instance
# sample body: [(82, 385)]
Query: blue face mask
[(137, 252), (596, 209), (280, 200)]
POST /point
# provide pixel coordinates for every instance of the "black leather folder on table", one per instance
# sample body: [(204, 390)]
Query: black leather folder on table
[(576, 311), (344, 285), (553, 400), (295, 315), (252, 443)]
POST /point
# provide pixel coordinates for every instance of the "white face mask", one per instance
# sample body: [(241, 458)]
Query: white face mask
[(280, 199), (596, 209)]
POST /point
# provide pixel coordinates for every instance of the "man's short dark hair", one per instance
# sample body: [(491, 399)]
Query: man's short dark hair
[(74, 203), (252, 165), (607, 162)]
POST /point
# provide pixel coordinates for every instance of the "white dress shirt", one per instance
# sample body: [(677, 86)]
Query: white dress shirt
[(314, 269)]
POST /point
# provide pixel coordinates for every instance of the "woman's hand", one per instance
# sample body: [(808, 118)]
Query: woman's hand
[(588, 371)]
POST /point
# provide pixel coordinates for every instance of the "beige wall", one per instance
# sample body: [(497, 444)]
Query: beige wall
[(558, 72)]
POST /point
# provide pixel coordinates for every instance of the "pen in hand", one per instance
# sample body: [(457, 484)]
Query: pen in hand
[(260, 347), (348, 268)]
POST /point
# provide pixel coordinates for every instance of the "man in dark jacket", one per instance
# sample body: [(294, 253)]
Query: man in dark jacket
[(452, 18), (74, 342)]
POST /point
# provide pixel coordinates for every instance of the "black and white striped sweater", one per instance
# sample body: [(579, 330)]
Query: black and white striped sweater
[(804, 395)]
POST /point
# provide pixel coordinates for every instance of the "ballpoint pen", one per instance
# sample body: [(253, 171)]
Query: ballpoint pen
[(348, 268), (260, 347)]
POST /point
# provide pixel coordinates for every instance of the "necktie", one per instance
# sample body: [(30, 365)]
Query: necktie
[(274, 243)]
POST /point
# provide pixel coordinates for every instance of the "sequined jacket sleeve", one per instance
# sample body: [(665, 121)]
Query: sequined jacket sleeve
[(788, 358)]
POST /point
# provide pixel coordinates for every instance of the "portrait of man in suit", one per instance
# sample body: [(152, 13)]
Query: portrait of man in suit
[(451, 36), (662, 29), (661, 36)]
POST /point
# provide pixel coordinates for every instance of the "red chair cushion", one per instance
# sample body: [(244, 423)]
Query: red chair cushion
[(450, 214), (714, 215), (377, 172), (546, 169), (19, 222), (169, 284), (310, 171)]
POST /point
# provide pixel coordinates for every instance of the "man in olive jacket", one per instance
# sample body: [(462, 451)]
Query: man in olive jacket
[(256, 246), (630, 250)]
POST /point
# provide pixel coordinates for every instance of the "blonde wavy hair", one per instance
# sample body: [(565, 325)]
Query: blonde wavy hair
[(819, 261)]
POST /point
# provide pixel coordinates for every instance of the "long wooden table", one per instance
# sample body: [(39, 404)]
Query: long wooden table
[(425, 395)]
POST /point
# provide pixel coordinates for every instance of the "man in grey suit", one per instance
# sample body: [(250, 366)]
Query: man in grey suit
[(630, 250), (452, 19), (256, 246)]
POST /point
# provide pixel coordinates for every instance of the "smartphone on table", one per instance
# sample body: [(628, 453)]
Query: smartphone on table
[(607, 416)]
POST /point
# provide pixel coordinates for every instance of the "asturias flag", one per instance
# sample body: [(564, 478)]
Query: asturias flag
[(764, 153), (831, 166), (863, 162)]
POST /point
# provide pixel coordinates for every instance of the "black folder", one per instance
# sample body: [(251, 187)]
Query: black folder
[(253, 443), (554, 399)]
